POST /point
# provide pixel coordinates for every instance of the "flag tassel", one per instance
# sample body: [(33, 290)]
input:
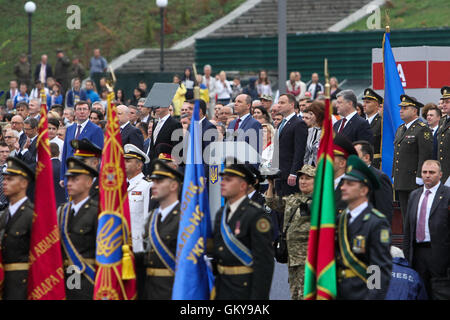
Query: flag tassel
[(127, 264)]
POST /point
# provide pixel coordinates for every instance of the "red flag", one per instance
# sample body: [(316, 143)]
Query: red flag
[(46, 274), (115, 278)]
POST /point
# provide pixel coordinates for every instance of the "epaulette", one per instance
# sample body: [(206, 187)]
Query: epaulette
[(378, 213), (421, 123), (255, 204), (147, 179)]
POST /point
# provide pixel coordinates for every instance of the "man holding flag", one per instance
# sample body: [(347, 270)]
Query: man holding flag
[(161, 232)]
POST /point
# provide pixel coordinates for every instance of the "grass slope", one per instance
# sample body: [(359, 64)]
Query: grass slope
[(114, 26)]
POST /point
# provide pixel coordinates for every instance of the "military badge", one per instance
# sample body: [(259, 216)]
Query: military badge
[(263, 225), (237, 230), (384, 236), (427, 135), (359, 244), (349, 168)]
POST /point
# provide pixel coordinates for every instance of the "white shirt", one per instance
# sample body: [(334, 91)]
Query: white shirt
[(42, 73), (409, 124), (223, 90), (159, 126), (250, 195), (165, 212), (13, 207), (337, 180), (370, 119), (234, 206), (60, 144), (124, 125), (357, 211), (77, 207), (429, 204), (82, 127), (210, 84), (433, 130), (348, 117), (242, 119)]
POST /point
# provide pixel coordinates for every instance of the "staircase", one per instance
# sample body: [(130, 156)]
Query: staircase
[(259, 21)]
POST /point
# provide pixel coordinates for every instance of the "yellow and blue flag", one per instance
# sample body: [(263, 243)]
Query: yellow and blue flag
[(391, 112), (193, 275)]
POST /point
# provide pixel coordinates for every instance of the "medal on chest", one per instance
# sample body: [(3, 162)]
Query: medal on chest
[(359, 244)]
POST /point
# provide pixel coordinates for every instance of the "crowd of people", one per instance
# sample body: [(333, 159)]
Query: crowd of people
[(265, 200)]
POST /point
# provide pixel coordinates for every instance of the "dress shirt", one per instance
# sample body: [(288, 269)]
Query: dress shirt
[(348, 117), (433, 191), (242, 119), (82, 127), (159, 126), (357, 211), (370, 119), (13, 207), (234, 206), (165, 212), (77, 207)]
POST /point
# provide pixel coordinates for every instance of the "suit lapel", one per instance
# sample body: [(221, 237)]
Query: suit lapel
[(414, 211), (438, 197)]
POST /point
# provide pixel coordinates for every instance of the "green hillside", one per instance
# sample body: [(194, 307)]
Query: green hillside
[(406, 14), (114, 26)]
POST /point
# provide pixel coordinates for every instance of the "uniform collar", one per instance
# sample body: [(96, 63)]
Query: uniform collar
[(13, 207), (357, 211), (136, 179), (165, 212), (77, 207)]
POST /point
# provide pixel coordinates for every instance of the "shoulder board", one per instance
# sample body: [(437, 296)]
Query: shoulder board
[(255, 204), (147, 179), (422, 124), (378, 213)]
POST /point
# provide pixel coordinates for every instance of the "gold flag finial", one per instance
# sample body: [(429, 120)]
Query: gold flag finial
[(327, 79), (388, 20)]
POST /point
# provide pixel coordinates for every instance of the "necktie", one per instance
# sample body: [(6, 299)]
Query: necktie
[(71, 215), (236, 125), (227, 212), (78, 132), (281, 126), (349, 216), (420, 232), (344, 120)]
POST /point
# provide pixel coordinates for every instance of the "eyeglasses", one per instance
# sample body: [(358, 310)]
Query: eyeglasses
[(9, 137)]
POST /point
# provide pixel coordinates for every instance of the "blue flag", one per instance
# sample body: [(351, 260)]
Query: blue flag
[(193, 276), (391, 111)]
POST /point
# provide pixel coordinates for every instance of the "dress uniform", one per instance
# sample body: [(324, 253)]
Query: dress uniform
[(78, 225), (375, 124), (138, 198), (363, 240), (160, 240), (296, 208), (412, 146), (85, 150), (243, 250), (15, 234), (443, 139)]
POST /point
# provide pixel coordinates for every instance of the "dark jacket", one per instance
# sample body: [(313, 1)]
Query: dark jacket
[(375, 125), (439, 226), (406, 283), (355, 129), (165, 135), (132, 135), (253, 229), (48, 71), (382, 198), (15, 249), (443, 148), (60, 195), (374, 229)]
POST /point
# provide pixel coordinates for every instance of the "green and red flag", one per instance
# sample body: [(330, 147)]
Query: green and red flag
[(320, 270), (116, 277), (46, 274)]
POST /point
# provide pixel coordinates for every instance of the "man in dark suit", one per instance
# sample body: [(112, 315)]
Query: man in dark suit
[(290, 144), (82, 128), (15, 229), (43, 70), (381, 198), (162, 131), (342, 149), (60, 195), (29, 150), (130, 134), (426, 241), (17, 124), (245, 128), (371, 104), (351, 124), (433, 116), (363, 238), (413, 144)]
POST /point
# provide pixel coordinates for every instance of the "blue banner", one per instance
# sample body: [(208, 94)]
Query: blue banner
[(391, 111), (193, 275)]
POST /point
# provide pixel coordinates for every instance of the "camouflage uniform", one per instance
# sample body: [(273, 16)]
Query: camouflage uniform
[(296, 236)]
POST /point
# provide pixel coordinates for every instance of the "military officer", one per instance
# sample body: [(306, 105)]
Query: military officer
[(90, 154), (138, 198), (15, 229), (78, 225), (363, 240), (371, 104), (413, 144), (443, 135), (243, 249), (161, 232)]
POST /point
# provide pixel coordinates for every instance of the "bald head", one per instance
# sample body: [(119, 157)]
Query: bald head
[(122, 114), (17, 123)]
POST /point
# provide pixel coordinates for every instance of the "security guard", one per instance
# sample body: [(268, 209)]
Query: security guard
[(243, 248), (363, 257), (161, 232), (413, 144), (443, 135), (138, 198), (78, 225), (91, 155), (371, 104), (15, 229)]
